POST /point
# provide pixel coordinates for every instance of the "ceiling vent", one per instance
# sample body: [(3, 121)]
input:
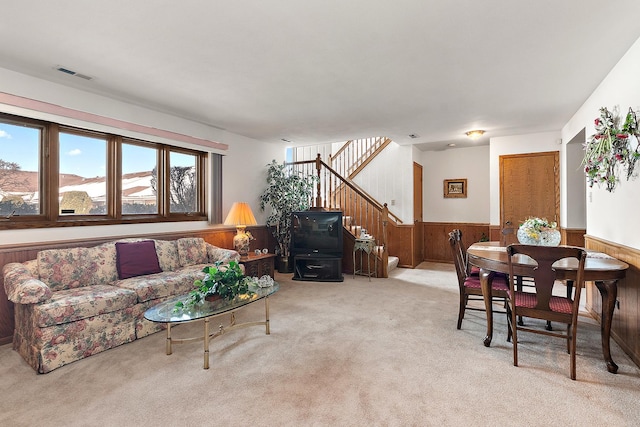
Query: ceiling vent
[(72, 73)]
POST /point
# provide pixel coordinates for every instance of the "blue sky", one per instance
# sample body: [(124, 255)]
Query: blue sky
[(79, 155)]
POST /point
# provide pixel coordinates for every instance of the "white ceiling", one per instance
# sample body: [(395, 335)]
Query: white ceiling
[(332, 70)]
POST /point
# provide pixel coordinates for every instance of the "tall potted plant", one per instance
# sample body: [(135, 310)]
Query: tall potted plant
[(287, 191)]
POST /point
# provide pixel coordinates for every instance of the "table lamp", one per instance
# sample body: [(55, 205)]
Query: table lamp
[(240, 215)]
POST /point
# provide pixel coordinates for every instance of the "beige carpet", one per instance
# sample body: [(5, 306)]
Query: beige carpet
[(357, 353)]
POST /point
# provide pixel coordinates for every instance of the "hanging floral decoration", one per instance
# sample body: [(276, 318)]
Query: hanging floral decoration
[(612, 149)]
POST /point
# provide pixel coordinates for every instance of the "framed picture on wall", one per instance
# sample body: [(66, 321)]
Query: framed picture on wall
[(455, 188)]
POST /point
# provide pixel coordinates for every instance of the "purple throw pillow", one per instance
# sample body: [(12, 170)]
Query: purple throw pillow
[(136, 259)]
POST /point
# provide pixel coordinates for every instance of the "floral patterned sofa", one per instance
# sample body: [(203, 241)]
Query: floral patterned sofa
[(73, 303)]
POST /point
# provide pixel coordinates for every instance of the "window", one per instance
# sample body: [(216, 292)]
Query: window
[(183, 186), (19, 169), (53, 175), (82, 178), (139, 179)]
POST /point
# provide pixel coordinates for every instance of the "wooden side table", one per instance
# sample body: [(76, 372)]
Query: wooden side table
[(365, 246), (259, 265)]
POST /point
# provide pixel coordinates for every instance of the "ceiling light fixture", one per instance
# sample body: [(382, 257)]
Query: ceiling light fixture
[(475, 134)]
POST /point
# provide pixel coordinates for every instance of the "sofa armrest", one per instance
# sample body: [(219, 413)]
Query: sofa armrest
[(215, 254), (22, 287)]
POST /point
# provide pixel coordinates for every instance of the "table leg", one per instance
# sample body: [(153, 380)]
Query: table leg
[(206, 343), (486, 295), (266, 309), (169, 349), (609, 292), (354, 263)]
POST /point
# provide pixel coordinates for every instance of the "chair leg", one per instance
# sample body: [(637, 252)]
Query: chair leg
[(519, 289), (463, 303), (573, 351), (514, 334), (508, 324)]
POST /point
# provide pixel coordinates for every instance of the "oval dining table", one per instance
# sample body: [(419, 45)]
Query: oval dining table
[(600, 268)]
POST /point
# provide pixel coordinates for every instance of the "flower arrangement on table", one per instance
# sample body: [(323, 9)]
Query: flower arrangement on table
[(611, 148), (539, 231), (225, 280), (533, 226)]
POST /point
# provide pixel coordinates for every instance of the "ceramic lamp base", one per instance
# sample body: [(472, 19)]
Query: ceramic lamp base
[(241, 242)]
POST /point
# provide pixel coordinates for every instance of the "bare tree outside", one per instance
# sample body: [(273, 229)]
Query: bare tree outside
[(182, 188), (182, 182)]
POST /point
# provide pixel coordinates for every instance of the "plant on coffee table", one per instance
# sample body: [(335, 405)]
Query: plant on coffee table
[(226, 280)]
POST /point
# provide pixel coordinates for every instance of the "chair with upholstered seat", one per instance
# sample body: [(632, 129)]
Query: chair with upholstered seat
[(543, 304), (469, 284)]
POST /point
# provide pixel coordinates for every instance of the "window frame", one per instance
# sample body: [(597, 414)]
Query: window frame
[(49, 162)]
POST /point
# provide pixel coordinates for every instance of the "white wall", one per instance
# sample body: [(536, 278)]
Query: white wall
[(574, 185), (470, 163), (612, 216), (389, 179), (244, 164), (517, 144)]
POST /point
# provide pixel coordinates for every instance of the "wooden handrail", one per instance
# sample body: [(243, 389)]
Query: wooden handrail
[(355, 154)]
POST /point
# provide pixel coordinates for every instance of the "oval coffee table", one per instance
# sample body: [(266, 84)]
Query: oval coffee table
[(166, 312)]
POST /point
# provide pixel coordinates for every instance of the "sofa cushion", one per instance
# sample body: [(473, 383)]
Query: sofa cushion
[(163, 284), (64, 268), (69, 305), (136, 259), (102, 262), (167, 251), (219, 254), (192, 251)]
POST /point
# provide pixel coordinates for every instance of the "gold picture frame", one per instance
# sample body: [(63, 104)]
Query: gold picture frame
[(455, 188)]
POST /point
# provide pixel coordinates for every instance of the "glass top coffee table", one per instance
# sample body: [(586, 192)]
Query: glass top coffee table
[(166, 312)]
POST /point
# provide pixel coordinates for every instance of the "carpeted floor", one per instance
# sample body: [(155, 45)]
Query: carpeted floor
[(357, 353)]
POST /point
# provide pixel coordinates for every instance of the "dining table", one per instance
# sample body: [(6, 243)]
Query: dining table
[(600, 268)]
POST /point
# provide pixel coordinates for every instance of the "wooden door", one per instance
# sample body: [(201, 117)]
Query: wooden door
[(529, 186), (417, 214)]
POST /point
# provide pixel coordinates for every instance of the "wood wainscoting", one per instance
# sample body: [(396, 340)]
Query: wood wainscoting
[(625, 328), (401, 240), (436, 238), (221, 237)]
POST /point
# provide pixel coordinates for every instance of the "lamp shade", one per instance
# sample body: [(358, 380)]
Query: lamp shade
[(240, 214)]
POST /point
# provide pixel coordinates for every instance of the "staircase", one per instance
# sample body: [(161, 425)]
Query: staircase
[(336, 191)]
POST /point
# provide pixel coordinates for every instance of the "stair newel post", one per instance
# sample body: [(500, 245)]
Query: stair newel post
[(318, 186)]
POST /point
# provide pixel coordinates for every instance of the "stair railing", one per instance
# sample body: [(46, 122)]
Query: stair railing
[(354, 155)]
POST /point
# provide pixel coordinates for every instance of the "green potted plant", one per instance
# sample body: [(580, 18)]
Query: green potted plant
[(221, 281), (287, 191)]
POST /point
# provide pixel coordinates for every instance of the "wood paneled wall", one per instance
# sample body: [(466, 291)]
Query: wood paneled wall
[(19, 253), (625, 329), (402, 244), (436, 238)]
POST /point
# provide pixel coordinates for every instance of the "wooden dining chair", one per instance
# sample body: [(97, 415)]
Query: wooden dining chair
[(542, 304), (471, 270), (469, 284)]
